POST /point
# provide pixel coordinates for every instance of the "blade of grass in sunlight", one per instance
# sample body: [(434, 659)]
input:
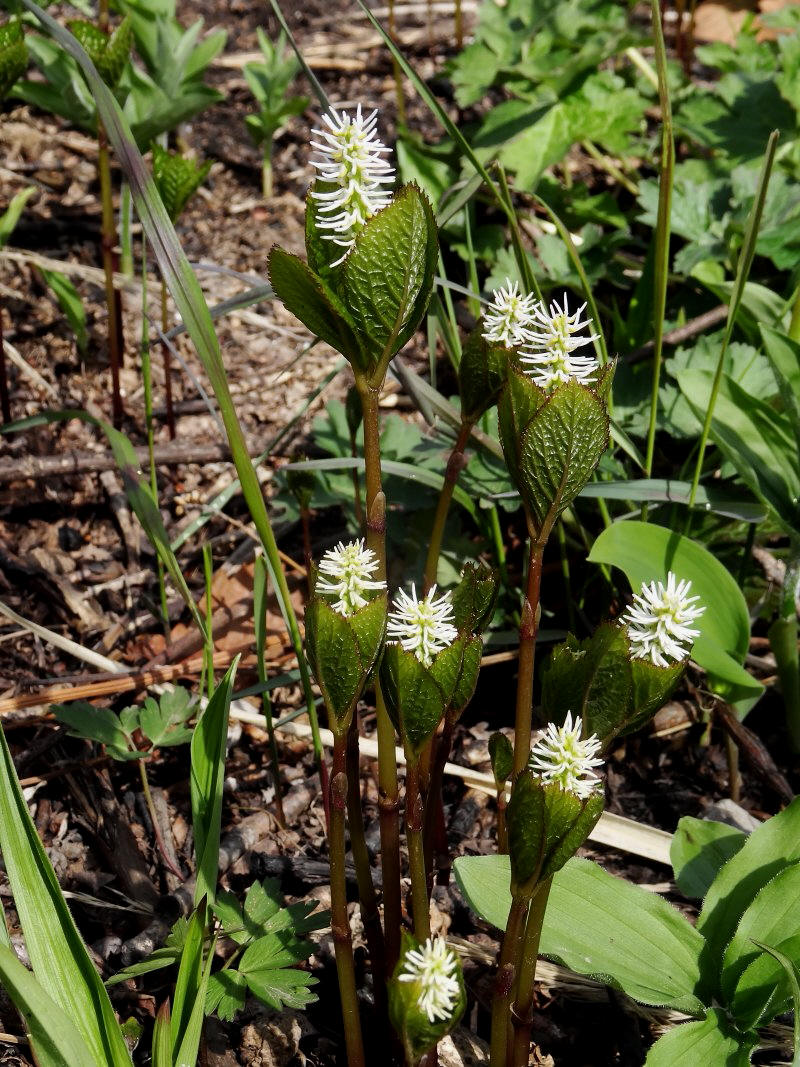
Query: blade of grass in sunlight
[(191, 304)]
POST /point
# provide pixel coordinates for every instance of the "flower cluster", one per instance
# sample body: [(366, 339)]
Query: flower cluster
[(547, 338), (561, 755), (435, 967), (423, 627), (351, 160), (346, 572), (659, 621)]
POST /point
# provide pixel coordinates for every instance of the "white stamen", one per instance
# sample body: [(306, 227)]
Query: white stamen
[(561, 755), (423, 627), (351, 159), (510, 317), (658, 621), (346, 572), (435, 967), (550, 350)]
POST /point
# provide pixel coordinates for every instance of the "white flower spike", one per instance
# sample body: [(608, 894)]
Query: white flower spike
[(553, 339), (511, 316), (659, 621), (423, 627), (435, 967), (561, 755), (346, 572), (351, 159)]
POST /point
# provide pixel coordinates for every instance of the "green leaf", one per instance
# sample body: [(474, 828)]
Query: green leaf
[(189, 978), (773, 916), (474, 598), (387, 279), (552, 443), (189, 1049), (646, 552), (13, 61), (783, 354), (177, 179), (96, 724), (769, 849), (60, 962), (207, 775), (712, 1040), (501, 753), (481, 374), (414, 697), (162, 1045), (698, 851), (336, 657), (162, 721), (268, 966), (768, 987), (55, 1039), (317, 306), (227, 991), (11, 216), (601, 926), (71, 304)]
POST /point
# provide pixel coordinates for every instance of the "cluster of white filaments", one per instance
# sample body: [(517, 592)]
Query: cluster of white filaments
[(435, 967), (423, 627), (562, 755), (347, 573), (659, 621), (351, 160), (548, 339), (551, 345), (510, 316)]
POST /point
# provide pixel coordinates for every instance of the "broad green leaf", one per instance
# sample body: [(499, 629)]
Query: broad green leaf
[(226, 995), (163, 721), (722, 501), (414, 697), (474, 598), (207, 776), (269, 967), (96, 724), (335, 658), (602, 926), (387, 278), (647, 552), (771, 985), (772, 847), (481, 373), (501, 753), (698, 851), (773, 916), (55, 1039), (711, 1041), (759, 441), (57, 953)]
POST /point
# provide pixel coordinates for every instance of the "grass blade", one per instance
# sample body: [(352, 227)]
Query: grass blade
[(794, 985), (187, 983), (742, 272), (191, 304), (208, 773), (57, 953), (161, 1049)]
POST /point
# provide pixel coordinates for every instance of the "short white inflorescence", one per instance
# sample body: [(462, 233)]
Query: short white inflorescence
[(423, 627), (553, 339), (510, 317), (435, 967), (561, 755), (350, 159), (659, 621), (346, 572)]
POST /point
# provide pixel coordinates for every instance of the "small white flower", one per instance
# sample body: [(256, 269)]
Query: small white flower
[(550, 349), (435, 967), (423, 627), (510, 317), (659, 620), (351, 159), (347, 571), (560, 755)]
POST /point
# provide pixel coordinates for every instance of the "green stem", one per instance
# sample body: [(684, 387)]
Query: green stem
[(562, 548), (416, 851), (610, 167), (502, 826), (455, 465), (370, 915), (498, 545), (359, 510), (148, 799), (528, 627), (399, 95), (167, 364), (147, 382), (340, 922), (107, 241), (528, 953), (504, 980), (125, 240), (388, 792), (794, 325), (436, 848), (260, 585), (667, 169)]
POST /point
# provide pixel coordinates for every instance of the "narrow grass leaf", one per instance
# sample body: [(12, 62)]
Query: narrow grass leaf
[(57, 953), (207, 775), (161, 1047), (190, 970)]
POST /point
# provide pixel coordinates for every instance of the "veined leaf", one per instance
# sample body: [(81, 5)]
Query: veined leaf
[(699, 850), (711, 1041), (601, 926)]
